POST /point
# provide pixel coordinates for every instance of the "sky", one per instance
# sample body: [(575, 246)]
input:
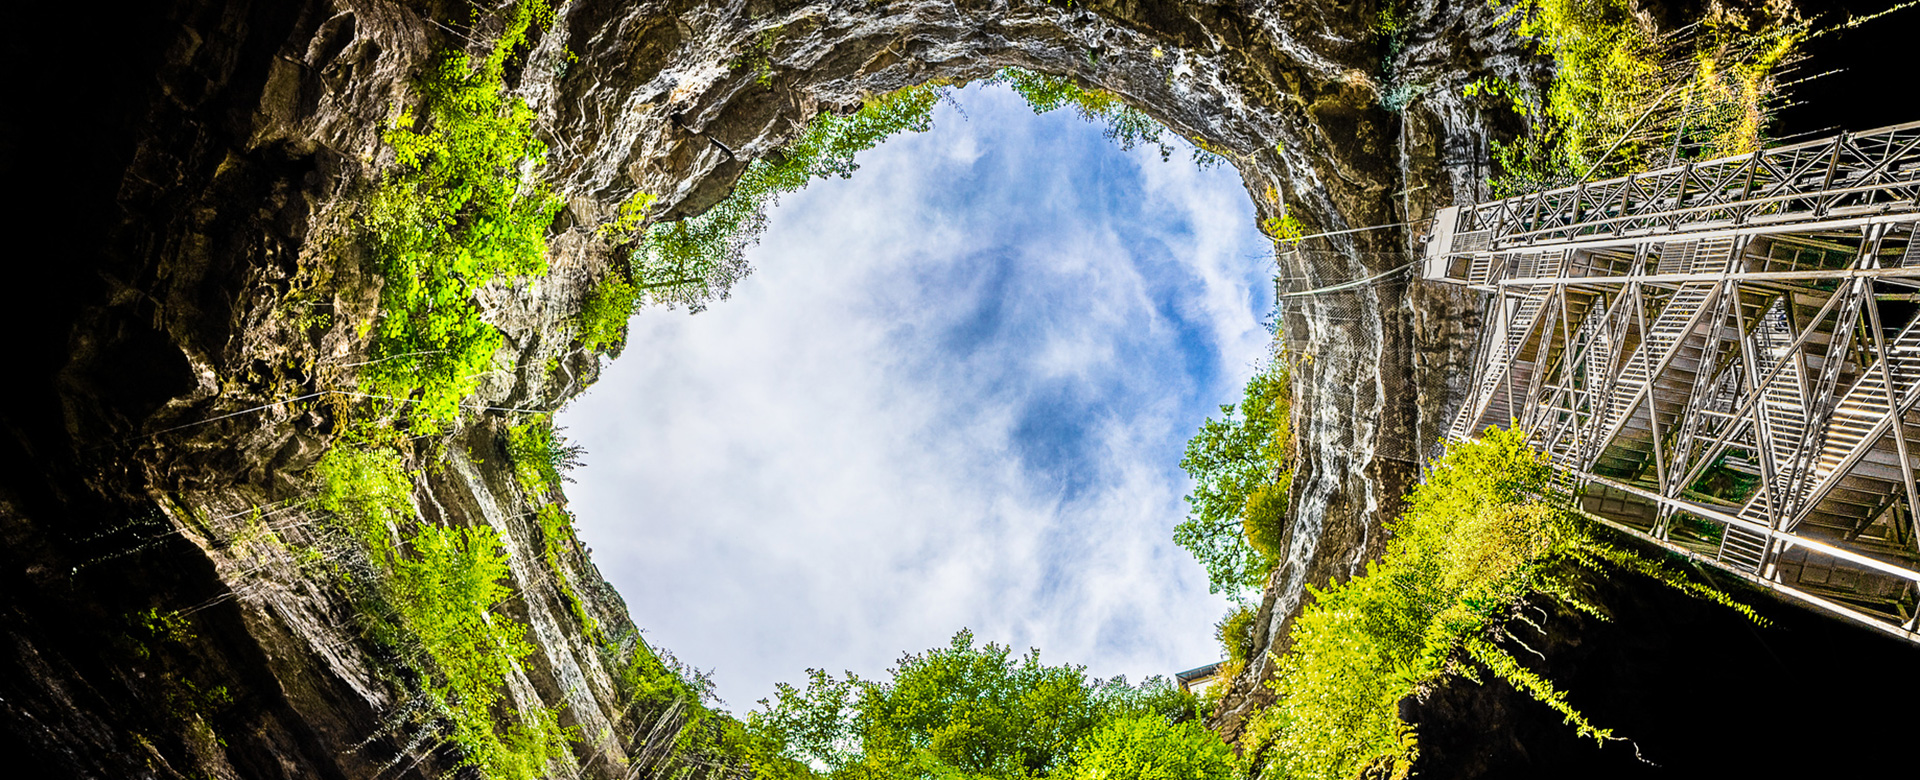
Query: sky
[(953, 393)]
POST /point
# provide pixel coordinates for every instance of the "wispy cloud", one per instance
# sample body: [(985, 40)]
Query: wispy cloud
[(954, 393)]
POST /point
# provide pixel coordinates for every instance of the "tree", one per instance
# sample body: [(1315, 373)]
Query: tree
[(979, 711), (1242, 471)]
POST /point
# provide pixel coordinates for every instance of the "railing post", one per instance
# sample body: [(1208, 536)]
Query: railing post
[(1833, 167)]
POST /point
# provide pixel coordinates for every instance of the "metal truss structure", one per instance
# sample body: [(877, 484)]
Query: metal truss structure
[(1722, 357)]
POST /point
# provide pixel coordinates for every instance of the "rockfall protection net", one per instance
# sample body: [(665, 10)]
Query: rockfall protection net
[(1347, 332)]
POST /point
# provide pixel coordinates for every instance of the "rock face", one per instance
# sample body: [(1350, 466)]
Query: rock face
[(199, 179)]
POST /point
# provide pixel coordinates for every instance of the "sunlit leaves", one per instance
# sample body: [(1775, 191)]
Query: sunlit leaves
[(981, 712), (1625, 97), (436, 589), (1240, 468), (1470, 545), (1149, 747), (460, 210)]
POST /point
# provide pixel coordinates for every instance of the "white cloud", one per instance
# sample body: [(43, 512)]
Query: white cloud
[(953, 394)]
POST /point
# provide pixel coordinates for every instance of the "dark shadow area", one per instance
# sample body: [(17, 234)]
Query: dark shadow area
[(1875, 60), (1696, 688)]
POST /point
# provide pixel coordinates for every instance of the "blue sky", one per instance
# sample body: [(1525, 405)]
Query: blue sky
[(953, 393)]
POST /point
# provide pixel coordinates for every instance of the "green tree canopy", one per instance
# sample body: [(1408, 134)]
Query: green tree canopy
[(1146, 747), (979, 711), (1242, 471)]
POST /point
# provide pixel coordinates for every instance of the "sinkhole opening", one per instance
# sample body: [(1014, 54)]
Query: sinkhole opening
[(954, 391)]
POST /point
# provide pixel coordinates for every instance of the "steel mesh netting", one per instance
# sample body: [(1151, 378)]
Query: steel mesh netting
[(1345, 330)]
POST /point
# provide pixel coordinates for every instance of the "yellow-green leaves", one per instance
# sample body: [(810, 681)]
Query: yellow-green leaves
[(435, 589), (541, 456), (632, 214), (602, 322), (1625, 97), (1149, 747), (1470, 545), (460, 209), (369, 491), (980, 712)]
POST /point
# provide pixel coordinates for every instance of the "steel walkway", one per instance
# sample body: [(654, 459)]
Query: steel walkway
[(1723, 357)]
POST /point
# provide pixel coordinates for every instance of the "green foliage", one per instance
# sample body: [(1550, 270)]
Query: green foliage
[(1235, 632), (1283, 229), (602, 322), (653, 680), (974, 711), (1624, 98), (459, 211), (445, 594), (696, 260), (436, 592), (1241, 469), (1124, 124), (1264, 517), (368, 490), (1470, 545), (1149, 747), (632, 214), (556, 535), (541, 456)]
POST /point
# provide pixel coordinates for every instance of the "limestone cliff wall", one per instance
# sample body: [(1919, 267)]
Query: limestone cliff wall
[(203, 283)]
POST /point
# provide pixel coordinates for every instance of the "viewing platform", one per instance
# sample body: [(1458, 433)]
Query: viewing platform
[(1722, 357)]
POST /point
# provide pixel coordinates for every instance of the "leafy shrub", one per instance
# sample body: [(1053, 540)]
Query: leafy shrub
[(1149, 747), (1264, 517), (541, 456), (445, 594), (1624, 97), (601, 325), (370, 491), (1235, 632), (435, 592), (1284, 229), (1470, 545), (655, 682), (458, 212), (1241, 468)]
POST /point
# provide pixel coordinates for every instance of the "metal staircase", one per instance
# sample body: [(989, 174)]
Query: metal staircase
[(1783, 410), (1706, 348), (1664, 364), (1489, 403), (1867, 410)]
